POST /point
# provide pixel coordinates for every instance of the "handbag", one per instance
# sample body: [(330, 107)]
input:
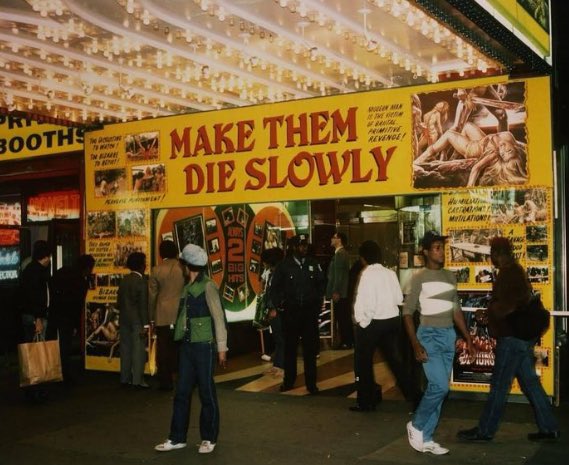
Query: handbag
[(261, 319), (530, 321), (39, 362)]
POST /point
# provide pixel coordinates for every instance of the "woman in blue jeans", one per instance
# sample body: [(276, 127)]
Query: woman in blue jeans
[(201, 327), (514, 356)]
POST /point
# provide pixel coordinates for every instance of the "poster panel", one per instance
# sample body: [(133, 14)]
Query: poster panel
[(484, 144), (471, 219), (233, 236)]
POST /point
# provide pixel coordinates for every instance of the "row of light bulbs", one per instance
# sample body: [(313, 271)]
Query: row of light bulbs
[(222, 82)]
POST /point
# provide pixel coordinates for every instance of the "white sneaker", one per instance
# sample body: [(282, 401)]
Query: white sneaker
[(206, 447), (415, 437), (266, 358), (169, 445), (434, 448)]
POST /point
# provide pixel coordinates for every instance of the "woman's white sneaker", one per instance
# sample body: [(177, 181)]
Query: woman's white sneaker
[(169, 445), (434, 448), (206, 447)]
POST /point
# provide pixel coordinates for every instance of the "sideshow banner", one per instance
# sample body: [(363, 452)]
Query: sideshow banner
[(471, 219)]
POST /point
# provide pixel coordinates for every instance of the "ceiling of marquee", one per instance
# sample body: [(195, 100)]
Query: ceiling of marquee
[(119, 60)]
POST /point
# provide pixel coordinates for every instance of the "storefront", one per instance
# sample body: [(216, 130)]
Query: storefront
[(40, 198), (470, 158)]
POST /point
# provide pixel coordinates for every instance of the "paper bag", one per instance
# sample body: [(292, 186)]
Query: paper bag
[(39, 362), (152, 367)]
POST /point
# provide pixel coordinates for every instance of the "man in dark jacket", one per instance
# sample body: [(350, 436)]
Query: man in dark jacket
[(34, 291), (67, 290), (514, 356), (298, 288), (34, 300)]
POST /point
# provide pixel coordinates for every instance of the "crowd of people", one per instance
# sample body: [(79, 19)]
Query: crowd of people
[(183, 305)]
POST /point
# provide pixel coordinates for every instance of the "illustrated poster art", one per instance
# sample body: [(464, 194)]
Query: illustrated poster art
[(479, 369), (467, 137)]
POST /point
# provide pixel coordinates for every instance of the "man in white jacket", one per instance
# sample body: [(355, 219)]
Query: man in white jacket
[(376, 313)]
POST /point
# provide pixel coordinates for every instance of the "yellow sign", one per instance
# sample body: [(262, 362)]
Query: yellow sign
[(482, 143), (24, 138), (370, 143), (472, 218), (530, 17)]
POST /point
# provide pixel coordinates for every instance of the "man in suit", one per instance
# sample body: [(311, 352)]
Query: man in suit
[(164, 290), (337, 289), (132, 302)]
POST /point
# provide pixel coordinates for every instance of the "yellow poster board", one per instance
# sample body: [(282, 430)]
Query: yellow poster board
[(479, 143)]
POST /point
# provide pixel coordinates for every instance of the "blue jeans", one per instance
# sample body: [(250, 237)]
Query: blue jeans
[(196, 366), (514, 358), (439, 344)]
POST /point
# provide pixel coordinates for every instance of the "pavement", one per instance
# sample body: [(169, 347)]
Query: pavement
[(96, 422)]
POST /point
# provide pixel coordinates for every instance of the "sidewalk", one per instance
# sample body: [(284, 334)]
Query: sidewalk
[(98, 423)]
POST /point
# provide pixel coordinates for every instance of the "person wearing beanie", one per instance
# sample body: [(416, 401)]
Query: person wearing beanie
[(201, 329)]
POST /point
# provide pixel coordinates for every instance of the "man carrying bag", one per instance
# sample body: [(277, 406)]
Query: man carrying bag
[(34, 301)]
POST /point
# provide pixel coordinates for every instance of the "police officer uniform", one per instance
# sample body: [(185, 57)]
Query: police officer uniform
[(297, 289)]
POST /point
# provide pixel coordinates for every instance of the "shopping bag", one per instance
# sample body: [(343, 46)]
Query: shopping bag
[(39, 362), (152, 368)]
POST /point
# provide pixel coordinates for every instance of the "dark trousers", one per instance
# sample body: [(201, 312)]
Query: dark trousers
[(64, 332), (301, 322), (196, 367), (515, 359), (382, 334), (343, 315), (166, 356)]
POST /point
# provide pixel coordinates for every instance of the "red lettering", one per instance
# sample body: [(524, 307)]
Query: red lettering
[(357, 168), (318, 122), (272, 122), (221, 138), (382, 161), (335, 172), (194, 179), (244, 131), (255, 174), (297, 161)]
